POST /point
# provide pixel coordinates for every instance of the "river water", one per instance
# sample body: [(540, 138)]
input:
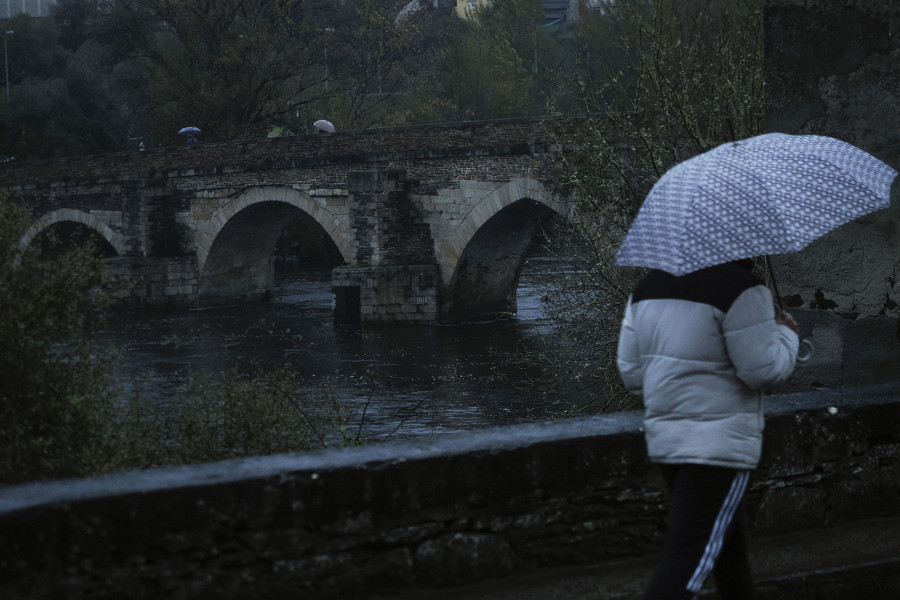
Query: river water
[(408, 381)]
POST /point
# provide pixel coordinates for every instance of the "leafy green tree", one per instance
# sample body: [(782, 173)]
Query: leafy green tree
[(230, 67), (688, 77), (76, 21), (61, 102), (375, 54), (482, 75), (600, 54), (74, 113), (501, 62)]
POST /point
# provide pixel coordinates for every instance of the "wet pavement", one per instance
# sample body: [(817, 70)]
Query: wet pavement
[(855, 561)]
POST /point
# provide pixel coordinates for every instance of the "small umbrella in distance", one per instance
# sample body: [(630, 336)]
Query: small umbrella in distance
[(323, 125)]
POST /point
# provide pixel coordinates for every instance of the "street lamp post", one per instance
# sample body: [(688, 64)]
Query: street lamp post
[(6, 34)]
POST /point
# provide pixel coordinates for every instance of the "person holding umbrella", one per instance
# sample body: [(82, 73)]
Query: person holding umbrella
[(702, 337), (699, 347), (191, 133), (324, 125)]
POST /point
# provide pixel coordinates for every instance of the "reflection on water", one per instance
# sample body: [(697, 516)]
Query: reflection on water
[(414, 379)]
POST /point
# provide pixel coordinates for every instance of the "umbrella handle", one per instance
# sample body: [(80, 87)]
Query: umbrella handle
[(774, 283), (807, 348)]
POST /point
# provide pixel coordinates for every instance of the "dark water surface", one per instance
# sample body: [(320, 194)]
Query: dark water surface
[(410, 380)]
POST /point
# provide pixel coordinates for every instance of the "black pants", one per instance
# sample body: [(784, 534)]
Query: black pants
[(705, 534)]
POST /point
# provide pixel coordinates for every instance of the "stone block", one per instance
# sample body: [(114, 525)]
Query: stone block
[(867, 493), (459, 558), (790, 508)]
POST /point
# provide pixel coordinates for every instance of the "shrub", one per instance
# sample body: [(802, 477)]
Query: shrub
[(228, 415), (54, 399), (669, 79), (61, 416)]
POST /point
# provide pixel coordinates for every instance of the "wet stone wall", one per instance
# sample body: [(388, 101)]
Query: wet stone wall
[(392, 294), (832, 67), (477, 141), (433, 513), (143, 281)]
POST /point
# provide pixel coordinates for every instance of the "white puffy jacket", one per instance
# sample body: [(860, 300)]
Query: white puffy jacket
[(700, 348)]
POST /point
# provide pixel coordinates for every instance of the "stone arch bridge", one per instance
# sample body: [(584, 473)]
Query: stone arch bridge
[(432, 222)]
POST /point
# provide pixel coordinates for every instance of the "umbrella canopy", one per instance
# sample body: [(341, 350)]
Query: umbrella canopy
[(770, 194), (189, 131), (324, 125)]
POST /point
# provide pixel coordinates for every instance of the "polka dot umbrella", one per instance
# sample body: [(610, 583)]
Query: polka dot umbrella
[(769, 194)]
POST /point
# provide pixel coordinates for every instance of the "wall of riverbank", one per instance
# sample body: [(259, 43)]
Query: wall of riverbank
[(833, 68), (427, 514)]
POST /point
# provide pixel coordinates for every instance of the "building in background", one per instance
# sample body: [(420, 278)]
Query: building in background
[(465, 7), (34, 8)]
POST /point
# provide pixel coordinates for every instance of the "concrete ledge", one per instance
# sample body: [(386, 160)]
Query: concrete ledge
[(431, 514)]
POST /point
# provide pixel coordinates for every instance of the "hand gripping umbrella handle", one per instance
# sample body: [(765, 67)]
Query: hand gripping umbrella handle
[(807, 348)]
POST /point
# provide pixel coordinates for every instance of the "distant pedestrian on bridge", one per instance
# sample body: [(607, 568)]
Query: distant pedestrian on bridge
[(324, 125), (191, 133)]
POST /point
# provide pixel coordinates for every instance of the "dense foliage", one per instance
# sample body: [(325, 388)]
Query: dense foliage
[(100, 75), (54, 398), (217, 416), (666, 80), (60, 415)]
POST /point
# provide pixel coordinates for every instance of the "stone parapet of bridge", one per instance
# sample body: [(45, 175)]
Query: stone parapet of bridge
[(436, 513)]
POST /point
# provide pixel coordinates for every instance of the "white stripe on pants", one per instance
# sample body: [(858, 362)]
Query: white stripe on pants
[(723, 520)]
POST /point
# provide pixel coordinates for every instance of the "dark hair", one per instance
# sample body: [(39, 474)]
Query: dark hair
[(747, 263)]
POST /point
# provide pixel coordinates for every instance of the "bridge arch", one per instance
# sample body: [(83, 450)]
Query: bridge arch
[(487, 207), (329, 221), (71, 215), (235, 252), (484, 258)]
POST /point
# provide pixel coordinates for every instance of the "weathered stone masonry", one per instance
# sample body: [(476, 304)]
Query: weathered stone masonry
[(449, 182), (833, 68), (434, 513), (394, 277)]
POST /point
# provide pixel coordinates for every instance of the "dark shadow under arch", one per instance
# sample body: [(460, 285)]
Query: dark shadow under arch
[(484, 283), (240, 264)]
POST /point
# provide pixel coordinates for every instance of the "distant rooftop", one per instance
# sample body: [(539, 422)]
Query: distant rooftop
[(555, 9), (35, 8)]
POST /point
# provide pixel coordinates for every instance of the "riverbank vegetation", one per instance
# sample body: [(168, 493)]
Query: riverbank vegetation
[(222, 415), (660, 81), (60, 414), (667, 80), (53, 383)]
